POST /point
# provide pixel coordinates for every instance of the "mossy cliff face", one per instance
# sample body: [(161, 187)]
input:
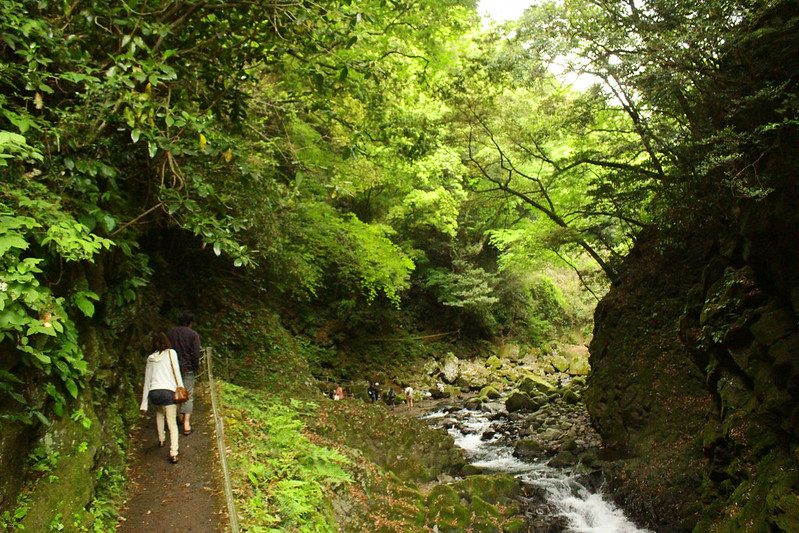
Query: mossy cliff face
[(646, 396), (696, 376), (64, 475)]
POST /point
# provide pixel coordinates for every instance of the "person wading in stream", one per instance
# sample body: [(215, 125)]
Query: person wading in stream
[(186, 342)]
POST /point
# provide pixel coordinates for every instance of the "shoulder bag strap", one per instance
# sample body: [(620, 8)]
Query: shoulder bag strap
[(177, 383)]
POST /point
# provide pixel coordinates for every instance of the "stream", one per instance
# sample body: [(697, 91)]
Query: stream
[(560, 499)]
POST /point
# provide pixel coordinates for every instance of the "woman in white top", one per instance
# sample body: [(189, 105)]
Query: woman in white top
[(409, 397), (160, 381)]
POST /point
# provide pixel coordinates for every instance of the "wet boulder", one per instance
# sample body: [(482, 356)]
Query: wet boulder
[(528, 449), (519, 401)]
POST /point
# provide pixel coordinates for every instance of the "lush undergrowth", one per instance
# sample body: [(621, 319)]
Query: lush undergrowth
[(282, 477), (308, 465)]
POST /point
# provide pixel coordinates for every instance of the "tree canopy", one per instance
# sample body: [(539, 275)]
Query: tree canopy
[(351, 154)]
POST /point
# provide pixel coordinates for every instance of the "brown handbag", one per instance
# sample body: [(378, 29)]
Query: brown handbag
[(181, 393)]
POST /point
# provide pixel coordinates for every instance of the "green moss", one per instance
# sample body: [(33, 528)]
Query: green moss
[(65, 486), (493, 488), (445, 510), (515, 525)]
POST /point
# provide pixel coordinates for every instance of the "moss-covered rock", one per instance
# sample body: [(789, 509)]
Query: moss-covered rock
[(489, 391), (518, 401), (570, 396), (444, 510), (528, 449), (494, 363), (509, 351), (474, 375), (560, 363), (66, 487), (450, 368), (532, 384), (579, 366)]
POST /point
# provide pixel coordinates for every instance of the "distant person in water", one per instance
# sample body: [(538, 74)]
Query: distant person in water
[(161, 378), (409, 397), (374, 391), (186, 343)]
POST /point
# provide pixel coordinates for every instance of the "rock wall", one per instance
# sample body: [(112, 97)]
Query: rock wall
[(696, 377), (646, 396)]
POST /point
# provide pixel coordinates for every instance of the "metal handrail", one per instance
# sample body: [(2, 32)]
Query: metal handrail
[(220, 441)]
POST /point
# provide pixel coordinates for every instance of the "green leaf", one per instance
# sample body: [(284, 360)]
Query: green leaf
[(43, 419), (86, 307), (135, 134), (41, 357), (12, 240), (72, 388), (110, 222)]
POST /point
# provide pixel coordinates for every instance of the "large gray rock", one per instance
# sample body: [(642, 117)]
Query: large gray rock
[(475, 375), (451, 368)]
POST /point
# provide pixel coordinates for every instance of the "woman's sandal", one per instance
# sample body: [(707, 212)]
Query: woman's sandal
[(173, 459), (161, 443)]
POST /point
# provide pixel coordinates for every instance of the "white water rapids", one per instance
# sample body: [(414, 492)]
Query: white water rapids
[(583, 510)]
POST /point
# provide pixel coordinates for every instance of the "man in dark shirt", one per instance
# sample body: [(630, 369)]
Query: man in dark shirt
[(186, 342)]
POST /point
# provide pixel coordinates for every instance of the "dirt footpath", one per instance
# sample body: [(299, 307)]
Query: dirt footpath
[(187, 496)]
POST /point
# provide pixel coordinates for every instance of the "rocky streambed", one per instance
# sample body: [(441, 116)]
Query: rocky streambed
[(522, 414), (551, 448)]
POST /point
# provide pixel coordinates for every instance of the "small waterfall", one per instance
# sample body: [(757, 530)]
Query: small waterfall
[(563, 499)]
